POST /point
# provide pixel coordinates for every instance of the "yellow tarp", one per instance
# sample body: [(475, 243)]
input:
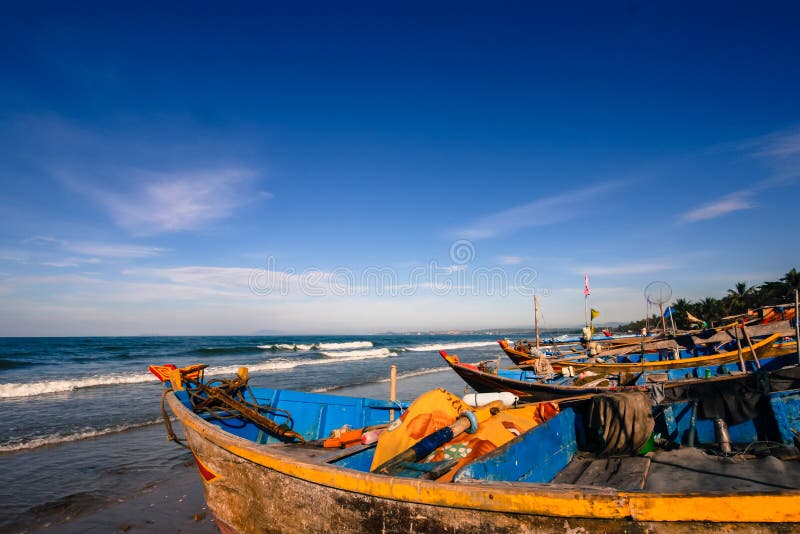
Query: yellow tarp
[(437, 409)]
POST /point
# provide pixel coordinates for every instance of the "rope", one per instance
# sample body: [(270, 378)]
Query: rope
[(541, 365), (223, 400), (171, 436)]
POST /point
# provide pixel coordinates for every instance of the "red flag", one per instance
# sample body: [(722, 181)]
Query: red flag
[(586, 290)]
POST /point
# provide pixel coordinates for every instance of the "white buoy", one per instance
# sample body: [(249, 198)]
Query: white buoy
[(476, 400)]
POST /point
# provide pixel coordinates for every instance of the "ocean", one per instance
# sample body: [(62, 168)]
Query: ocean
[(80, 419)]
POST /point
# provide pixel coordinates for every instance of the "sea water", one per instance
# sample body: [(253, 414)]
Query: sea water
[(80, 418)]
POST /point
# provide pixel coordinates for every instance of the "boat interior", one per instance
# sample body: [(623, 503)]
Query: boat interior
[(688, 451)]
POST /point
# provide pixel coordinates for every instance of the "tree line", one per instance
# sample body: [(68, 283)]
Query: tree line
[(737, 300)]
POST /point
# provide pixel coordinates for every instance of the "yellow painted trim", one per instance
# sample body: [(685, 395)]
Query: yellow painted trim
[(520, 498), (696, 361)]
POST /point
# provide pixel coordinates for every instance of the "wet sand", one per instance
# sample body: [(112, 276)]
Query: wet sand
[(177, 504)]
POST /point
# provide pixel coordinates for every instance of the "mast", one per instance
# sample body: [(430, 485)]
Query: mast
[(536, 317), (797, 323)]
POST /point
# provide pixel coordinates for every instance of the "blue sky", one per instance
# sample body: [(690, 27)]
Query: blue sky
[(364, 167)]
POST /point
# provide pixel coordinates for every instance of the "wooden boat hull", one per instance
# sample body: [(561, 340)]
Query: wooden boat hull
[(764, 348), (262, 488)]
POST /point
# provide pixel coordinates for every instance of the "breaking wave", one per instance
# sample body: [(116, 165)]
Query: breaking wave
[(360, 353), (28, 389), (318, 346), (450, 346), (11, 446), (24, 389)]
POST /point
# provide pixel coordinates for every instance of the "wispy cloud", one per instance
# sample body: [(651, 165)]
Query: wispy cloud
[(624, 268), (82, 252), (735, 202), (237, 280), (14, 255), (174, 201), (219, 277), (541, 212), (781, 144), (511, 260), (191, 185), (779, 151)]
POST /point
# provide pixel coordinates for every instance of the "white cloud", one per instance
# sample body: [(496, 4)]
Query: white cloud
[(780, 144), (18, 256), (541, 212), (511, 260), (226, 277), (176, 201), (82, 252), (110, 250), (623, 268), (735, 202)]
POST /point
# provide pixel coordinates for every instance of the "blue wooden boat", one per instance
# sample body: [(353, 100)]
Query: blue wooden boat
[(277, 477), (641, 372)]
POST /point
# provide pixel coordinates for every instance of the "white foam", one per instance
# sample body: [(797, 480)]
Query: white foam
[(345, 345), (321, 346), (286, 346), (451, 346), (28, 389), (76, 436), (373, 353), (16, 389)]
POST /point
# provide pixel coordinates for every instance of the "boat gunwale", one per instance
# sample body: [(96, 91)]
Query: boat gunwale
[(683, 363), (565, 391), (526, 498)]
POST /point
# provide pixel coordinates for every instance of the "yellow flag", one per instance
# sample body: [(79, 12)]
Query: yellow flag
[(692, 318), (594, 313)]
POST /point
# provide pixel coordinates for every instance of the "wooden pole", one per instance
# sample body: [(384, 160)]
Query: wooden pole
[(663, 321), (739, 349), (750, 344), (586, 309), (392, 389), (536, 317), (797, 323)]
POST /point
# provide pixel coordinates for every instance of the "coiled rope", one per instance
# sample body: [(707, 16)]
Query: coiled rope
[(224, 400)]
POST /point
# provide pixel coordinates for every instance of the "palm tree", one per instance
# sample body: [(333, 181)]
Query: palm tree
[(738, 299), (792, 279), (770, 293), (711, 309), (680, 307)]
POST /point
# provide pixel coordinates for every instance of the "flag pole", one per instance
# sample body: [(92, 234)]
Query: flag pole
[(586, 292), (586, 309), (536, 317)]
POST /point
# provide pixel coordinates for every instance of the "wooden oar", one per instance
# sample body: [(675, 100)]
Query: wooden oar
[(750, 344), (739, 349)]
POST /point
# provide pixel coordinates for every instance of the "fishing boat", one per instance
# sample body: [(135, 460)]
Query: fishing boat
[(265, 467), (694, 343), (700, 355), (578, 380), (523, 350)]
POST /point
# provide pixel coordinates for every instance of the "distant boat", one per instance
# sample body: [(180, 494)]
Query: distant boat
[(486, 377), (258, 475)]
